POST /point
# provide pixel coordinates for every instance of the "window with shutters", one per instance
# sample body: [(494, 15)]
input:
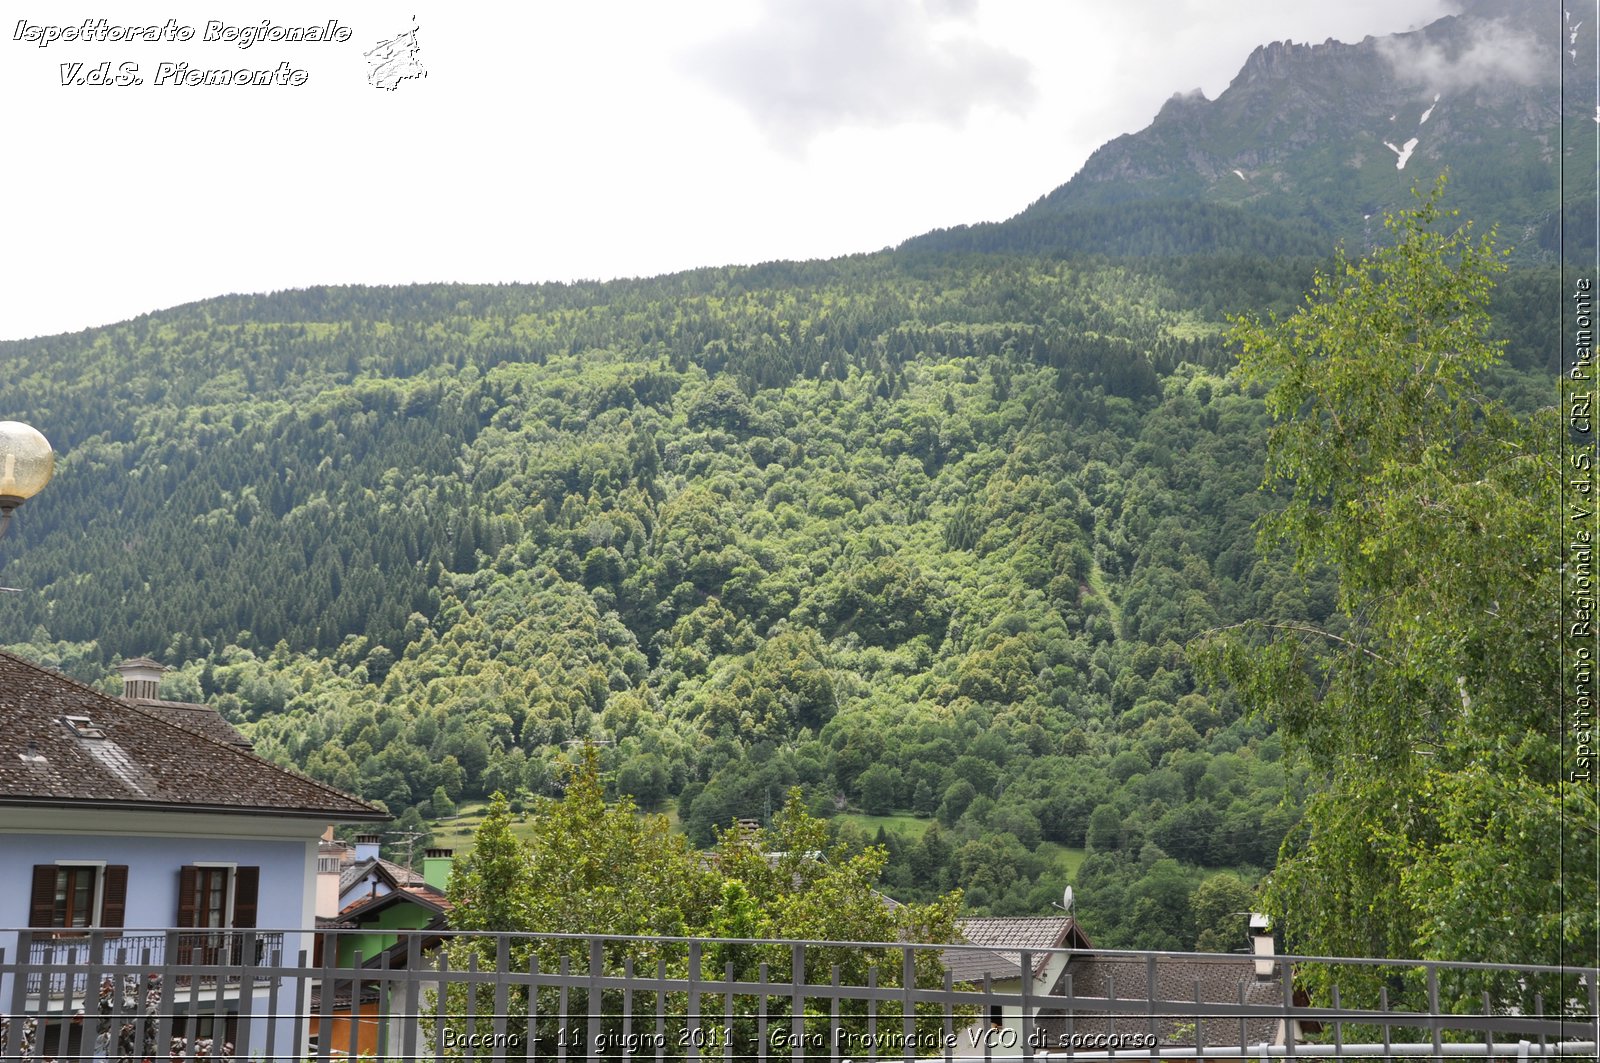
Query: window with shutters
[(78, 896), (214, 897)]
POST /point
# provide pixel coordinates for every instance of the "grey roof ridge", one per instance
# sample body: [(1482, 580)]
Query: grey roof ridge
[(120, 705)]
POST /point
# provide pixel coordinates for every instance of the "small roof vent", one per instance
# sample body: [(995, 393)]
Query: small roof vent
[(32, 756), (83, 727)]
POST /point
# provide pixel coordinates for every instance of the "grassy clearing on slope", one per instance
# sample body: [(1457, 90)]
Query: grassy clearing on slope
[(455, 832), (1067, 860), (907, 828)]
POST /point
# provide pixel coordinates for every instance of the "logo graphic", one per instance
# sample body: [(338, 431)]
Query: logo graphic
[(395, 60)]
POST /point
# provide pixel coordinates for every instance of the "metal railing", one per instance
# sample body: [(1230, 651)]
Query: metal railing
[(73, 955), (504, 996)]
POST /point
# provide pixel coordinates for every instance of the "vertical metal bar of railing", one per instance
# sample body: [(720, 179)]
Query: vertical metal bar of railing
[(1488, 1010), (761, 1012), (324, 1004), (301, 1023), (353, 1037), (563, 1002), (530, 1048), (949, 1017), (597, 959), (1338, 1024), (834, 1028), (502, 995), (1072, 1014), (1244, 1022), (92, 986), (441, 1010), (231, 968), (253, 952), (872, 1012), (1435, 1020), (1150, 977), (1593, 978), (471, 1017), (661, 1007), (68, 983), (1286, 980), (169, 993), (411, 1007), (1028, 1038), (109, 1015), (627, 1006), (385, 1005), (985, 1022), (1538, 1011), (1383, 1006), (797, 1003), (908, 989), (19, 990), (1111, 997), (727, 1010), (692, 1023), (1200, 1023)]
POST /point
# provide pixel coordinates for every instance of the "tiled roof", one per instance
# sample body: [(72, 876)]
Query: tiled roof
[(202, 718), (1209, 979), (970, 965), (394, 875), (353, 873), (1017, 932), (402, 875), (1003, 938), (424, 895), (143, 760)]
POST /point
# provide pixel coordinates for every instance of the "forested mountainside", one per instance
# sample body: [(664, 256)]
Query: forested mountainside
[(920, 534)]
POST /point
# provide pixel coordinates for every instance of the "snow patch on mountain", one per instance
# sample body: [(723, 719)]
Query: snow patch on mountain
[(1404, 153)]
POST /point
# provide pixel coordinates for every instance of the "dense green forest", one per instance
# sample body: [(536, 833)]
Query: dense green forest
[(924, 533)]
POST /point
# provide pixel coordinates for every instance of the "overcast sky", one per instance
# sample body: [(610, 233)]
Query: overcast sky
[(557, 140)]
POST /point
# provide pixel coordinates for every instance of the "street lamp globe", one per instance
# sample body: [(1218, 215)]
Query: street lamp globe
[(26, 463)]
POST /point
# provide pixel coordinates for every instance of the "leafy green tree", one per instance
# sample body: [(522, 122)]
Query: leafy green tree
[(490, 887), (880, 787), (1429, 705), (1220, 905)]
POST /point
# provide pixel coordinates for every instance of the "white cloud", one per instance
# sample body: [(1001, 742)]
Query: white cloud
[(1492, 53), (803, 69)]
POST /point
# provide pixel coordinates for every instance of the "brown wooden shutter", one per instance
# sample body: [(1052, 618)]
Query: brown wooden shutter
[(188, 882), (42, 907), (246, 885), (114, 896)]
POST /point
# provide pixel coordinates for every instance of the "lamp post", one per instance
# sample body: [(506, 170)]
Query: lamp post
[(26, 464)]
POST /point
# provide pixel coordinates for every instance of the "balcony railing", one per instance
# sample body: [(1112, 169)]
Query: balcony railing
[(503, 996), (200, 957)]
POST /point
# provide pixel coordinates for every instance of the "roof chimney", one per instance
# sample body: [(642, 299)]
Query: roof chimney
[(436, 866), (141, 677), (367, 846), (1261, 944)]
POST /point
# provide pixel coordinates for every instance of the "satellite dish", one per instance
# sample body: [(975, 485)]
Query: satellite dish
[(1066, 900)]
